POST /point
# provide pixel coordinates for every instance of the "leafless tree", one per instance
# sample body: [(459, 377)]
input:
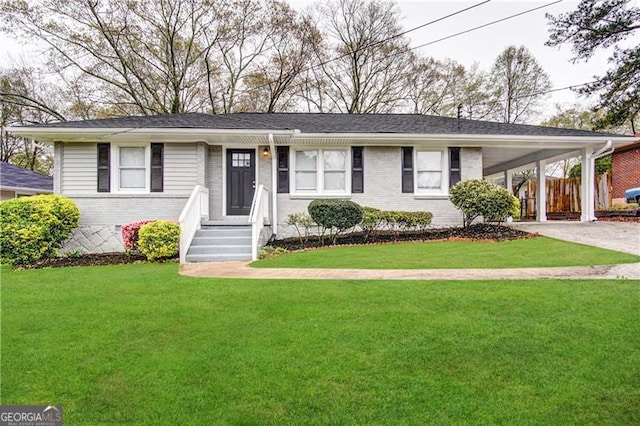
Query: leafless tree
[(364, 65), (521, 82)]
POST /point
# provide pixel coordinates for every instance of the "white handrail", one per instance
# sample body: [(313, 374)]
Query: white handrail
[(259, 213), (190, 219)]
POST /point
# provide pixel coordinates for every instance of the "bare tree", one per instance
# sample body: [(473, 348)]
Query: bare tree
[(521, 82), (25, 98), (144, 56), (364, 65)]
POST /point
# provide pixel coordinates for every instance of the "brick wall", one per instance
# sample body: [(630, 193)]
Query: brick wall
[(625, 167)]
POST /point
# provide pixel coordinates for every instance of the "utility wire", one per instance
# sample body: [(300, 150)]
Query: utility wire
[(486, 25)]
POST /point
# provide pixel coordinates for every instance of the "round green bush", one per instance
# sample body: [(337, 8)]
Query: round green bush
[(33, 228), (159, 239), (477, 197), (339, 214)]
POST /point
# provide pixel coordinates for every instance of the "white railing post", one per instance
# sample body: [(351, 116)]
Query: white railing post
[(259, 213), (190, 219)]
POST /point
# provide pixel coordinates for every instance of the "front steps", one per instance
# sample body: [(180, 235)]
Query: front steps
[(221, 242)]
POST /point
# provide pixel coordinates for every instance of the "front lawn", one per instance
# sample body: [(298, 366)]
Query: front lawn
[(532, 252), (140, 344)]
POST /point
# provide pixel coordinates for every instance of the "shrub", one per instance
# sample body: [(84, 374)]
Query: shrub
[(303, 223), (372, 221), (33, 228), (268, 251), (476, 197), (335, 215), (159, 239), (130, 233)]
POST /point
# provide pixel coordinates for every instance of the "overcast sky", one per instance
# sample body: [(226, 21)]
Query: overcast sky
[(482, 46)]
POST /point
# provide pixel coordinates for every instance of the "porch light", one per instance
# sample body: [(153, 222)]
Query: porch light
[(265, 152)]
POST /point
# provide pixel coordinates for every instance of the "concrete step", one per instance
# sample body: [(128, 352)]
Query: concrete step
[(220, 249), (217, 258), (221, 240)]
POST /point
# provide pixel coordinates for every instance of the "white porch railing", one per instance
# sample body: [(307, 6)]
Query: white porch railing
[(259, 213), (196, 209)]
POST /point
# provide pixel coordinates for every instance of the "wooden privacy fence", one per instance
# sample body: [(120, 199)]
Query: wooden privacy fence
[(563, 195)]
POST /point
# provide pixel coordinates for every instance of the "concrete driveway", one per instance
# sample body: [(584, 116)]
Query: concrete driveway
[(619, 236)]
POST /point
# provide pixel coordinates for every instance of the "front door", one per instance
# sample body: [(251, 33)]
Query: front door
[(241, 175)]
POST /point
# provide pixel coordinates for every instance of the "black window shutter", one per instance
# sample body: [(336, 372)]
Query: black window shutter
[(104, 167), (454, 166), (283, 169), (407, 170), (157, 167), (357, 170)]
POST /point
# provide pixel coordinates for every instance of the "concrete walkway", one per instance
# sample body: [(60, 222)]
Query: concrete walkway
[(620, 236), (243, 270)]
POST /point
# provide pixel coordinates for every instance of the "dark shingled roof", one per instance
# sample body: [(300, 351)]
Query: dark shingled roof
[(16, 177), (327, 123)]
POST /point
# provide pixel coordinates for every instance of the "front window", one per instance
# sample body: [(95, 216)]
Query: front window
[(321, 171), (430, 167), (132, 168)]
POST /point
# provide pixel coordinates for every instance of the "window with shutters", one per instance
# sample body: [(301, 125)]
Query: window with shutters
[(321, 171), (130, 167)]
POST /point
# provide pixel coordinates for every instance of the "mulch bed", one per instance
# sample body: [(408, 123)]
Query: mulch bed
[(89, 260), (481, 231)]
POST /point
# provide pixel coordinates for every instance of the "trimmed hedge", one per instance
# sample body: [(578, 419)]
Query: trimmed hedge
[(33, 228), (477, 197), (335, 215), (394, 220), (159, 239)]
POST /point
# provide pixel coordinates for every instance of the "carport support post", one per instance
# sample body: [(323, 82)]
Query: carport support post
[(508, 181), (541, 191), (587, 186)]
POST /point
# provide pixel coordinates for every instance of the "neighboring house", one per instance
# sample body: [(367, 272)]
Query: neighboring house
[(209, 166), (625, 170), (17, 182)]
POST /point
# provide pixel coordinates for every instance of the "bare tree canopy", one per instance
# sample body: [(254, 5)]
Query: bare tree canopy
[(364, 64), (521, 84)]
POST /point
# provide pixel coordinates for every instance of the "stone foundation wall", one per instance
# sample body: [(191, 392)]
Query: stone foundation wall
[(94, 239)]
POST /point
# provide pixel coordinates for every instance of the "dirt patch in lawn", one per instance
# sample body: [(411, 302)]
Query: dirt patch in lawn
[(473, 233)]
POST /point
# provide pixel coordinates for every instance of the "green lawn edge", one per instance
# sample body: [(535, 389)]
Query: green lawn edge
[(140, 344), (524, 253)]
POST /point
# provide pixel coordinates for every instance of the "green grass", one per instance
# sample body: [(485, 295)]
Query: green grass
[(533, 252), (140, 344)]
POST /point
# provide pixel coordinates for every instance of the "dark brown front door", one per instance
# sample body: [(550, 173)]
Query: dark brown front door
[(241, 175)]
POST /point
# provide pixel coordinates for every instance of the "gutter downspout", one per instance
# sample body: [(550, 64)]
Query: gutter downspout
[(274, 186), (603, 151)]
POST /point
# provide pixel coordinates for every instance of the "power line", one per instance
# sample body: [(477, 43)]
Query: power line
[(367, 46), (486, 25)]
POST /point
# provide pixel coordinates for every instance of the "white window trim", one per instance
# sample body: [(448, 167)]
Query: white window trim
[(115, 167), (444, 181), (320, 191)]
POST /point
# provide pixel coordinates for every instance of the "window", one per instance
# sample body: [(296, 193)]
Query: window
[(424, 171), (321, 171), (133, 167)]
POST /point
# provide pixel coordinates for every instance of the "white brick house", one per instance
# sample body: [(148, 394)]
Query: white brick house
[(127, 169)]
